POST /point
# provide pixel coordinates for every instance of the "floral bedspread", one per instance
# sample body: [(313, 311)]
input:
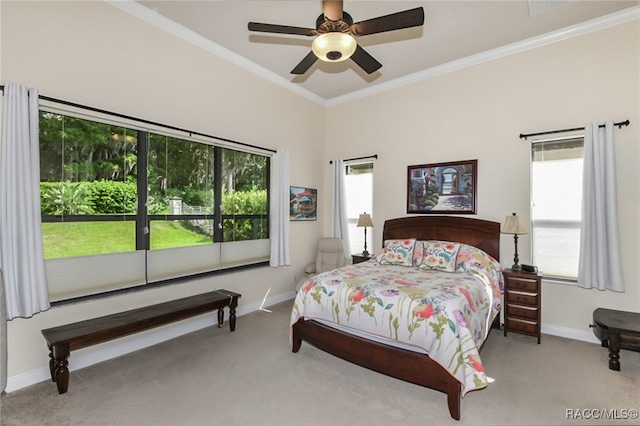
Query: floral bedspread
[(447, 314)]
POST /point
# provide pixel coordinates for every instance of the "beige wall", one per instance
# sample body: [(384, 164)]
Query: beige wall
[(478, 112), (94, 54)]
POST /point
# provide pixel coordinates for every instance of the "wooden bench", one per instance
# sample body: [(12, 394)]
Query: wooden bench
[(617, 330), (66, 338)]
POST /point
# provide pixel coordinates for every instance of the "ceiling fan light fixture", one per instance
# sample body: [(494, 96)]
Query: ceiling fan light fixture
[(334, 46)]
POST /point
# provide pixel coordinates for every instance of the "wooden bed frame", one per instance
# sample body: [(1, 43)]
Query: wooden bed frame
[(403, 364)]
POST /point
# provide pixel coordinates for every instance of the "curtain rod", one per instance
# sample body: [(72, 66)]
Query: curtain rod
[(374, 156), (144, 121), (550, 132)]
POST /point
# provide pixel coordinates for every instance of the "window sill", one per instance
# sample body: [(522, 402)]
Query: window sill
[(562, 281), (156, 284)]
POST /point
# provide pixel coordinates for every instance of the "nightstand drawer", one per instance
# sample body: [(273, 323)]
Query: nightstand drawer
[(527, 312), (522, 284), (522, 302), (524, 298), (522, 326)]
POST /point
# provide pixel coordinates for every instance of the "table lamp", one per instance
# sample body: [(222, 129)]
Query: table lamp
[(512, 226), (364, 221)]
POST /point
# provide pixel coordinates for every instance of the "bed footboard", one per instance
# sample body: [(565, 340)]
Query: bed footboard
[(400, 363)]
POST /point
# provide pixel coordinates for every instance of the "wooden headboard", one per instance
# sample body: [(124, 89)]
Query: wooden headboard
[(483, 234)]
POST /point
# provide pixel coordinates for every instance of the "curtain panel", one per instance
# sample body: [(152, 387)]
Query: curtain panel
[(21, 251), (600, 255), (279, 213), (339, 219)]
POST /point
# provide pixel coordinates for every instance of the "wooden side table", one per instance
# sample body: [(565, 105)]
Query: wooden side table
[(358, 258), (617, 330), (522, 302)]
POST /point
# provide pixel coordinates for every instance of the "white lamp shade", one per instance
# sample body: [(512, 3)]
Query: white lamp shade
[(364, 221), (334, 47), (512, 225)]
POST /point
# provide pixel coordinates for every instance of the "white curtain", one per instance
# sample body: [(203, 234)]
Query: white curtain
[(279, 210), (600, 256), (21, 252), (339, 220), (3, 339)]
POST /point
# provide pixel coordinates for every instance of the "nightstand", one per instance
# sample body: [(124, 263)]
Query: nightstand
[(522, 302), (358, 258)]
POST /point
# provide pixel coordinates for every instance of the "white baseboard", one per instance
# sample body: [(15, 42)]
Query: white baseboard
[(569, 333), (149, 338)]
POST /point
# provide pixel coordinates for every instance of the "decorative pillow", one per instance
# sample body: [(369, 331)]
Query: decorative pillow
[(439, 255), (397, 252)]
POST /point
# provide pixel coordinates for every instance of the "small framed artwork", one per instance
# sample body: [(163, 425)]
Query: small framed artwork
[(442, 188), (303, 203)]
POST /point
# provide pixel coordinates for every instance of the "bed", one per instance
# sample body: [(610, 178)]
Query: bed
[(348, 330)]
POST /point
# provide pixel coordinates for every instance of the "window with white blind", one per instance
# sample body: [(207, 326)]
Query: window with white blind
[(556, 197), (124, 206), (359, 199)]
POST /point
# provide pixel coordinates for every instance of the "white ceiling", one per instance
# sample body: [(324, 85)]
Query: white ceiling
[(455, 34)]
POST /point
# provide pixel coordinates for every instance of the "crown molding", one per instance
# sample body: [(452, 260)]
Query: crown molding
[(156, 19), (586, 27)]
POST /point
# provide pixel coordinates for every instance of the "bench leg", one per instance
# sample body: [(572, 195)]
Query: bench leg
[(220, 317), (52, 364), (614, 351), (232, 314), (59, 366)]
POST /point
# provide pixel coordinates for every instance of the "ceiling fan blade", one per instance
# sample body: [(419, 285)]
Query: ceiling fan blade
[(365, 61), (332, 10), (281, 29), (305, 64), (395, 21)]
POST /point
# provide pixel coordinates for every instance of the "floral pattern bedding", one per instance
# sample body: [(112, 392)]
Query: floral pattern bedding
[(447, 314)]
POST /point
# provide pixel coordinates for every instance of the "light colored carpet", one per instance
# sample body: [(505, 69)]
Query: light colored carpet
[(251, 377)]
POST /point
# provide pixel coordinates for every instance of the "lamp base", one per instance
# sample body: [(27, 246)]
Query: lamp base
[(515, 267), (366, 253)]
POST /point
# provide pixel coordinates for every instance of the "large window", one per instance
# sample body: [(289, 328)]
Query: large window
[(123, 207), (556, 206), (359, 199)]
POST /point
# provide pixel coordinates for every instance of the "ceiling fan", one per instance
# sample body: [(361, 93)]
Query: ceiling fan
[(334, 35)]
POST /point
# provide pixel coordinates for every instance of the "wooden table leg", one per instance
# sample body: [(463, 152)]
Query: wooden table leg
[(59, 366), (52, 364), (614, 351), (220, 317), (232, 313)]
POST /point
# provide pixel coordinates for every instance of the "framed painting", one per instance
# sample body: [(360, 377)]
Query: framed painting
[(442, 188), (303, 203)]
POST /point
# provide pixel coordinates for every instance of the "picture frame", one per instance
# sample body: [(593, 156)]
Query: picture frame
[(303, 203), (442, 188)]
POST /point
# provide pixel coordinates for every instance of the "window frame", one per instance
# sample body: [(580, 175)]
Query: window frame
[(356, 236), (141, 218), (577, 140)]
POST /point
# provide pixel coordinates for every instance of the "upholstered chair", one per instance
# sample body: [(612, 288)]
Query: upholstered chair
[(329, 255)]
